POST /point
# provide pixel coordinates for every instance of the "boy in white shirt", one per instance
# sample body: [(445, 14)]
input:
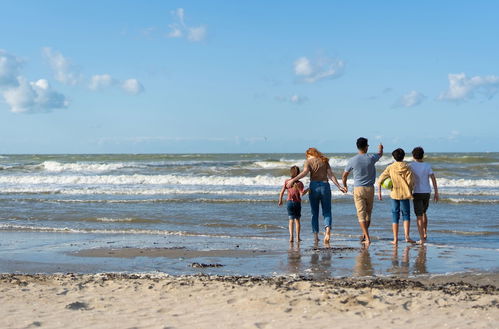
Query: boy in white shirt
[(422, 173)]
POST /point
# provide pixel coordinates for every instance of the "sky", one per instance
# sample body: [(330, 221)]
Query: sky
[(247, 77)]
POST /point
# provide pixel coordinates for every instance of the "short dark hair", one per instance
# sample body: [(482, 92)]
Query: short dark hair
[(418, 153), (398, 154), (361, 143)]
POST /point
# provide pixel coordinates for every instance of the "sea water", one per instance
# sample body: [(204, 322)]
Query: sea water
[(51, 205)]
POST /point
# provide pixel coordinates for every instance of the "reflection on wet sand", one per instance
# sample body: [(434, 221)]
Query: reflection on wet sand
[(420, 263), (317, 262), (320, 264), (294, 258), (363, 264), (400, 267)]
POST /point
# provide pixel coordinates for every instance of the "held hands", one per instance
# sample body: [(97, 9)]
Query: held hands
[(343, 189)]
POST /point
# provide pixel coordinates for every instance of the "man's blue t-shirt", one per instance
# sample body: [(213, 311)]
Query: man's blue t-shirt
[(362, 165)]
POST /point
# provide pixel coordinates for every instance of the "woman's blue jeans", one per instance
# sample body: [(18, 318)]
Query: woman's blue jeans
[(320, 193), (403, 206)]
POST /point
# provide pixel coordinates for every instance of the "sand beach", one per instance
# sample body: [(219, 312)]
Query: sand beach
[(203, 301)]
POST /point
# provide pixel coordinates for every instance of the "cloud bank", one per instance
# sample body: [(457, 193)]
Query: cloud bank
[(103, 81), (24, 96), (10, 69), (411, 99), (34, 97), (179, 29), (320, 69), (462, 88), (64, 71)]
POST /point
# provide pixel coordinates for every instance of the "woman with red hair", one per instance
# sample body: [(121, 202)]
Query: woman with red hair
[(320, 191)]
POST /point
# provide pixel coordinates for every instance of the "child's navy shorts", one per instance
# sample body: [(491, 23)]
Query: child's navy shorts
[(294, 209)]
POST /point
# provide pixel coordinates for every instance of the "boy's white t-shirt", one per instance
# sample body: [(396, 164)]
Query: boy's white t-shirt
[(422, 172)]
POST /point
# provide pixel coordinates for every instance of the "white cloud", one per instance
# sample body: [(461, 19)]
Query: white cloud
[(322, 68), (295, 99), (132, 86), (411, 99), (10, 68), (298, 99), (463, 88), (64, 71), (303, 67), (175, 32), (180, 14), (34, 97), (101, 81), (197, 34), (179, 29)]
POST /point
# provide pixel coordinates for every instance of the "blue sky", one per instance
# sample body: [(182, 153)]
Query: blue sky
[(256, 76)]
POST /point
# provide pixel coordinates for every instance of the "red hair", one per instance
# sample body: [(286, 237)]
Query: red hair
[(317, 154)]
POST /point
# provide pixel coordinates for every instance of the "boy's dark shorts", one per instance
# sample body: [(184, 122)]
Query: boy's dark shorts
[(421, 202), (294, 209)]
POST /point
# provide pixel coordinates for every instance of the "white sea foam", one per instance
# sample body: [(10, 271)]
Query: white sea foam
[(26, 228), (181, 180), (54, 166), (465, 200), (468, 182), (333, 162), (137, 179), (113, 220)]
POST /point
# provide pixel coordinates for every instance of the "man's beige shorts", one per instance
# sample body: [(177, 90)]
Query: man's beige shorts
[(363, 197)]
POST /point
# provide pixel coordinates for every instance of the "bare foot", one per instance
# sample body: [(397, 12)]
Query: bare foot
[(394, 242), (291, 240), (409, 240), (421, 242), (366, 243), (299, 239), (362, 237), (327, 238)]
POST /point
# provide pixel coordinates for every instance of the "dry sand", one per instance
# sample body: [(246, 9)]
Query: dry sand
[(161, 301)]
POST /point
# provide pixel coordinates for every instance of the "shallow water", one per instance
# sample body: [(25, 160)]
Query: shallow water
[(51, 205)]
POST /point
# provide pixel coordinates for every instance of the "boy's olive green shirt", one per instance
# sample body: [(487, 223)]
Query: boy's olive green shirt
[(402, 180)]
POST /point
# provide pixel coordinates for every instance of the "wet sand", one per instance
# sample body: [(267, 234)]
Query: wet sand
[(202, 301), (174, 252)]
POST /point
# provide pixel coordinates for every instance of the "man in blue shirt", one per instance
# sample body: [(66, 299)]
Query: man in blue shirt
[(364, 175)]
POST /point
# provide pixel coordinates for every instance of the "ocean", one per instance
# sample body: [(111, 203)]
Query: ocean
[(52, 206)]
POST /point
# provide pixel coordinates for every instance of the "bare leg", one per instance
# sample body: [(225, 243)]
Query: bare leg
[(327, 235), (364, 226), (407, 226), (290, 226), (421, 230), (395, 228), (298, 229), (425, 226)]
